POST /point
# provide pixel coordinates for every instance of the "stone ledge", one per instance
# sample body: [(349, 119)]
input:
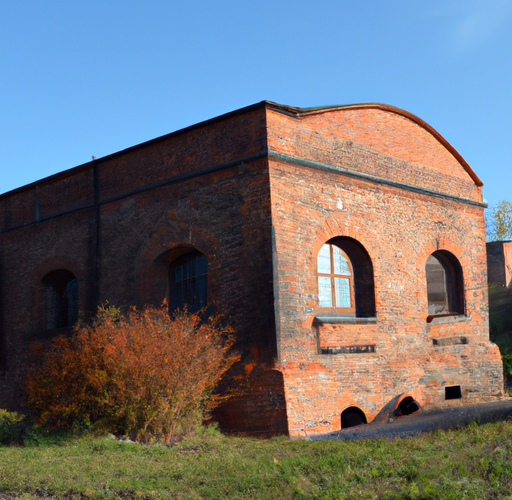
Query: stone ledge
[(338, 319), (447, 318)]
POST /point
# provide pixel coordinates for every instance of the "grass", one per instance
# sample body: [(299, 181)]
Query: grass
[(473, 463)]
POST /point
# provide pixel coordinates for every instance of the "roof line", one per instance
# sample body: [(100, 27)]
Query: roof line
[(300, 112), (87, 165), (283, 108)]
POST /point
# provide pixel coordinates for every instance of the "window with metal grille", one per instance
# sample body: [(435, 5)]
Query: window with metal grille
[(61, 299), (188, 282)]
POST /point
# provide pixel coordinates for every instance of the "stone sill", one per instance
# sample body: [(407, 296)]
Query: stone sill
[(338, 319), (447, 318)]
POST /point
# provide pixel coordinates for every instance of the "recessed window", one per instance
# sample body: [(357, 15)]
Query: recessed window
[(335, 279), (344, 274), (188, 282), (61, 299), (445, 288)]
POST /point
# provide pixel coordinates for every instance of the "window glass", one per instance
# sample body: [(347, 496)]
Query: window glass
[(436, 287), (344, 277), (188, 282), (335, 286), (72, 299), (324, 260), (324, 292), (340, 262), (342, 292)]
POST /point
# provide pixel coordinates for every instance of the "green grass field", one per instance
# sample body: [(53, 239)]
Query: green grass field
[(472, 463)]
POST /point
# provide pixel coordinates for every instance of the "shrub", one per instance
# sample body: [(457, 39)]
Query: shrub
[(507, 364), (12, 427), (145, 375)]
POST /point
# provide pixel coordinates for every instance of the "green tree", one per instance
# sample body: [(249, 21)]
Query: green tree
[(499, 222)]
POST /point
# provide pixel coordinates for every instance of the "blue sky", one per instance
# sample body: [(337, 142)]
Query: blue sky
[(81, 78)]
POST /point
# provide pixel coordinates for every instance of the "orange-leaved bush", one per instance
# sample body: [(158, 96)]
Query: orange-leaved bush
[(146, 374)]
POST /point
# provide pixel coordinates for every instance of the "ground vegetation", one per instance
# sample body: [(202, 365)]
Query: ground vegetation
[(471, 463), (146, 375)]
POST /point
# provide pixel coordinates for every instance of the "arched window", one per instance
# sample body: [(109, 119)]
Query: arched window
[(188, 282), (61, 299), (345, 279), (445, 286), (335, 279)]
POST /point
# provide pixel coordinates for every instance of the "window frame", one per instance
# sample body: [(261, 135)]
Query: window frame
[(61, 289), (445, 294), (333, 276), (194, 284)]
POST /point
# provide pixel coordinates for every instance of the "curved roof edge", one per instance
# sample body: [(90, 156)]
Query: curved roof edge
[(298, 112)]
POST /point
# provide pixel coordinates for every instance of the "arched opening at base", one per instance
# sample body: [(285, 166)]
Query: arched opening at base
[(407, 406), (260, 411), (352, 416)]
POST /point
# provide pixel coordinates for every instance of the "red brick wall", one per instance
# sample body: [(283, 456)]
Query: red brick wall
[(374, 142), (113, 222), (399, 229)]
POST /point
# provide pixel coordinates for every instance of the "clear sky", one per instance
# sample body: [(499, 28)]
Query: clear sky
[(89, 77)]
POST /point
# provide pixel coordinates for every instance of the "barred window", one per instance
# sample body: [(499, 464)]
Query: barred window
[(188, 282), (61, 299)]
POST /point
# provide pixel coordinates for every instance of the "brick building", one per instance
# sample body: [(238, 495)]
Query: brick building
[(499, 262), (345, 244), (499, 270)]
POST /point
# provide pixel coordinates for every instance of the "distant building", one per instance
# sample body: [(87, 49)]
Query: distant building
[(345, 244), (499, 262), (499, 269)]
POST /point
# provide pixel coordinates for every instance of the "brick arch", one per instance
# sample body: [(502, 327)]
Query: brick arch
[(55, 263), (332, 228), (446, 245), (151, 279), (412, 405), (442, 244), (260, 411), (352, 415), (59, 262), (388, 410), (362, 263), (434, 245)]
